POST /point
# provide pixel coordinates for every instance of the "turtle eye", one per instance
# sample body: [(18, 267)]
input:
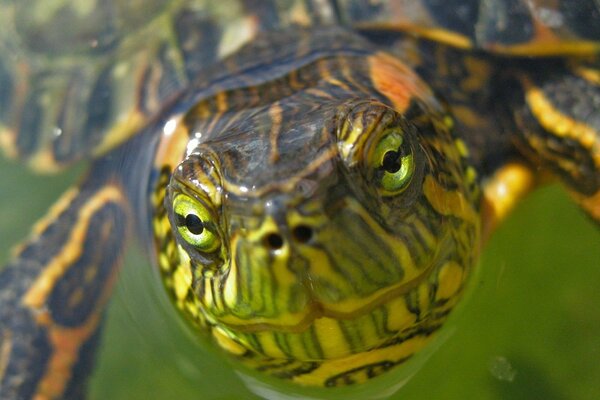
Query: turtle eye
[(393, 162), (195, 223)]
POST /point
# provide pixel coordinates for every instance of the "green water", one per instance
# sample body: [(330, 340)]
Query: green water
[(530, 329)]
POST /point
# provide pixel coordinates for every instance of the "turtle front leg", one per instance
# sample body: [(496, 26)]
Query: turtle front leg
[(557, 113), (53, 292)]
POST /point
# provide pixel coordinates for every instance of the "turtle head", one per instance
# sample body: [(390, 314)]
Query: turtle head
[(315, 232)]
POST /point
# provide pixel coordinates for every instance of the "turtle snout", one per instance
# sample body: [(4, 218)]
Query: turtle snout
[(300, 234)]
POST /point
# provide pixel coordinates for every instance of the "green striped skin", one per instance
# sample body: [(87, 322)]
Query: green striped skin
[(319, 261)]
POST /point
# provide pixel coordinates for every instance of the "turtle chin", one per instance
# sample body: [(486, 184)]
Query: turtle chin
[(332, 297)]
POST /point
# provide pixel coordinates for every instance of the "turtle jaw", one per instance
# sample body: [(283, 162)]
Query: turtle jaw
[(330, 331), (328, 297)]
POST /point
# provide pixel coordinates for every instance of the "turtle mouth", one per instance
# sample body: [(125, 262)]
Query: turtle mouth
[(317, 309)]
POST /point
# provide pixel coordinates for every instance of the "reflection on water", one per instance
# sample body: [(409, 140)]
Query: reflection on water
[(534, 304)]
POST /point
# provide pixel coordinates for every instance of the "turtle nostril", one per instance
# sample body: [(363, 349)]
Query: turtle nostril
[(302, 233), (274, 241)]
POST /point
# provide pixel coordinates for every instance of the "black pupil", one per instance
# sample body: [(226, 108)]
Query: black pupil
[(391, 162), (194, 224)]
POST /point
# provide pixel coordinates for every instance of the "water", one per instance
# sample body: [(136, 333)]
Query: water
[(533, 314)]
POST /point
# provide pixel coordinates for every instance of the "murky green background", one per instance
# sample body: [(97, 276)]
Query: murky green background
[(530, 329)]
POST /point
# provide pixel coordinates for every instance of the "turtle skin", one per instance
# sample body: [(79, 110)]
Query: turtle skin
[(52, 308)]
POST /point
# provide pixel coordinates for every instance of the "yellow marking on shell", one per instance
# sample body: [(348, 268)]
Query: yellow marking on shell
[(227, 343), (221, 101), (324, 72), (55, 210), (339, 83), (323, 94), (591, 75), (450, 280), (439, 35), (7, 142), (503, 191), (44, 162), (550, 47), (448, 202), (551, 119), (293, 81), (453, 39), (299, 15), (201, 110), (54, 270), (122, 130), (236, 34), (396, 81)]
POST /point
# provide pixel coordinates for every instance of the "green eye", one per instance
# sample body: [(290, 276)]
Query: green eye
[(195, 223), (394, 163)]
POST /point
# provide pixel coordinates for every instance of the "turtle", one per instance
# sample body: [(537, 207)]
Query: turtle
[(314, 180)]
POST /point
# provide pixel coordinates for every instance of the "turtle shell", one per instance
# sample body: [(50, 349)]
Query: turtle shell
[(512, 27), (77, 79)]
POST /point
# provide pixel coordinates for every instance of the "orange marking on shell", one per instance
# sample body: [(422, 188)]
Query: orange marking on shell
[(395, 80), (66, 344)]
